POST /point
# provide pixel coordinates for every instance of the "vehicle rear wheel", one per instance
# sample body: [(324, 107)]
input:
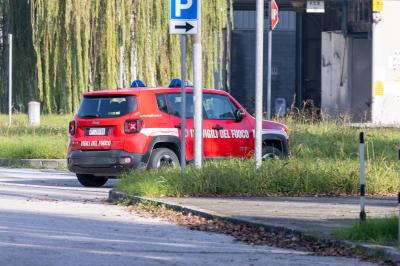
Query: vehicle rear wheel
[(163, 157), (270, 152), (91, 180)]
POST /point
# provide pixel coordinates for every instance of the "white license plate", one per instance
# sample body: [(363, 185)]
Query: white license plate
[(97, 131)]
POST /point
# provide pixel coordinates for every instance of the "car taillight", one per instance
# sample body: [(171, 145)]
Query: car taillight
[(72, 128), (133, 126)]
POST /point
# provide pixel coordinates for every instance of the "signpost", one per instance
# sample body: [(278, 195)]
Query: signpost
[(184, 19), (259, 81), (10, 51), (273, 22), (274, 19)]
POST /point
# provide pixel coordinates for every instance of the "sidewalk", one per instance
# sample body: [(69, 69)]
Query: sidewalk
[(314, 217)]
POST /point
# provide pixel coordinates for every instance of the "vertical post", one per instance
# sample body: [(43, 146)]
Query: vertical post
[(183, 104), (198, 95), (363, 215), (269, 69), (259, 81), (10, 52)]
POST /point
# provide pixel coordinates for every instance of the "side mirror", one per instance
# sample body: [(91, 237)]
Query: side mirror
[(240, 115)]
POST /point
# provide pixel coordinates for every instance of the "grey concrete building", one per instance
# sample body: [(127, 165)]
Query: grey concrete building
[(344, 60)]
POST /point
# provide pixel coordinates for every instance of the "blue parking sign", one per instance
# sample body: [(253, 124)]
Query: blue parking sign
[(184, 9)]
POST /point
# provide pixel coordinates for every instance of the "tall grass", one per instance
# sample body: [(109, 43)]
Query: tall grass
[(325, 161), (378, 231), (283, 177), (47, 141)]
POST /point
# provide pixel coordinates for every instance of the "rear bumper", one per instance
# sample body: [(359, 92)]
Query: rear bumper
[(104, 163)]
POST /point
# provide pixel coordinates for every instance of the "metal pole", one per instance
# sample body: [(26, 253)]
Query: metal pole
[(259, 82), (363, 215), (269, 69), (183, 104), (198, 95), (10, 79)]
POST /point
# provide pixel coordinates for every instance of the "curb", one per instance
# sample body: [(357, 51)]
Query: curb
[(385, 252), (35, 163)]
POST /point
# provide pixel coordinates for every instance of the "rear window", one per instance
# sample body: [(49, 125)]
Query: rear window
[(106, 106)]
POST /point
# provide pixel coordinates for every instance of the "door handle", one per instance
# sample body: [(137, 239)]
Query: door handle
[(217, 127)]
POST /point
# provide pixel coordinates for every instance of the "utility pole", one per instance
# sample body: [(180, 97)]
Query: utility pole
[(10, 52), (269, 59), (259, 82), (198, 95)]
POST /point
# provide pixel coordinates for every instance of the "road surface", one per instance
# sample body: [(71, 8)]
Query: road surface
[(47, 218)]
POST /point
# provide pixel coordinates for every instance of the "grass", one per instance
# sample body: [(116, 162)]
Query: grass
[(238, 177), (325, 162), (20, 140), (382, 231)]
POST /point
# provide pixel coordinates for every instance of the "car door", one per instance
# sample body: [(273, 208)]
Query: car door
[(173, 107), (228, 135)]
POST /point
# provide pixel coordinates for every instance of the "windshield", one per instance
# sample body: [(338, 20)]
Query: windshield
[(106, 106)]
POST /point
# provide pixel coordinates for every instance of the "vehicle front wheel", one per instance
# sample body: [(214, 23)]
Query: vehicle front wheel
[(163, 157), (270, 152), (91, 180)]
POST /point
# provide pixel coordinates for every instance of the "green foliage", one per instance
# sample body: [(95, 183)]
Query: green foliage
[(48, 141), (325, 161), (377, 230), (238, 177), (64, 48)]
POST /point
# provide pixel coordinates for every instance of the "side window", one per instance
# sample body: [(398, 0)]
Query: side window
[(219, 107), (171, 103), (162, 103)]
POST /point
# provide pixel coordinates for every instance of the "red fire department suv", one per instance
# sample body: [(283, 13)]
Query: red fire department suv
[(139, 128)]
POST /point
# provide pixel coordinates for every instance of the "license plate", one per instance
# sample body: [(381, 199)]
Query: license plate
[(97, 131)]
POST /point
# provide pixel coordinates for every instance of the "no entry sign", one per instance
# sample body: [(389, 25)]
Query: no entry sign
[(274, 14)]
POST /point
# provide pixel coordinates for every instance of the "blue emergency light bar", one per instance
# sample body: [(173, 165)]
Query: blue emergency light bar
[(138, 84), (177, 83)]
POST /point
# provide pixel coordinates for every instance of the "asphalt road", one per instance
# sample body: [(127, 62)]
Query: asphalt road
[(47, 218)]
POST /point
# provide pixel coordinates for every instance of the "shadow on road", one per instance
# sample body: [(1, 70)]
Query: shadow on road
[(27, 237)]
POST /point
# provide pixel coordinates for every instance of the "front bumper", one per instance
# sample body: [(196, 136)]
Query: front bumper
[(104, 163)]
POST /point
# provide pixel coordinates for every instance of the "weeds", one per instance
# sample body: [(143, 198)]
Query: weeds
[(381, 231), (20, 140), (238, 178), (325, 162)]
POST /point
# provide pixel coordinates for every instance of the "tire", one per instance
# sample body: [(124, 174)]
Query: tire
[(270, 152), (163, 157), (91, 180)]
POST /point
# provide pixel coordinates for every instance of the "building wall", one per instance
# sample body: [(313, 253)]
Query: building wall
[(335, 89), (361, 79), (386, 65), (243, 59)]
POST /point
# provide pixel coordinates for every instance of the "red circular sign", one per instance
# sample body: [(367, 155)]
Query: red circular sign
[(274, 15)]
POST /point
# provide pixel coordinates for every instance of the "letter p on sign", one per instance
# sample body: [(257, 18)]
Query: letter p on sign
[(180, 5), (184, 10)]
